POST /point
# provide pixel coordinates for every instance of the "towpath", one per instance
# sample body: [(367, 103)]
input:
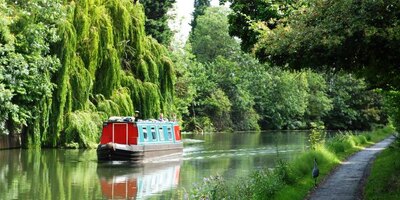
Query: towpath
[(347, 180)]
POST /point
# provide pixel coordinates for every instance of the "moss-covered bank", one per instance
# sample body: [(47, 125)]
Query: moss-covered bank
[(289, 180), (108, 67)]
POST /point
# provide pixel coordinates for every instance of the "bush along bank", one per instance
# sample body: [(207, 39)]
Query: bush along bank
[(384, 180), (289, 180)]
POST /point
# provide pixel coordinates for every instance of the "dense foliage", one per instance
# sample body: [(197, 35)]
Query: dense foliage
[(358, 36), (157, 19), (199, 7), (234, 91), (392, 102), (128, 70), (27, 65), (97, 57), (68, 65), (353, 105), (222, 96), (246, 12)]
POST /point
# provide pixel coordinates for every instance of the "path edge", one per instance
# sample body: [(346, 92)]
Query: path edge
[(367, 172), (360, 189)]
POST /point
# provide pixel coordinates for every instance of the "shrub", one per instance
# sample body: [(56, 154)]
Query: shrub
[(285, 172), (265, 184), (213, 187)]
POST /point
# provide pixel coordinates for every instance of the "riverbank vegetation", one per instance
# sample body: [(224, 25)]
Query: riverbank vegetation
[(66, 66), (325, 36), (231, 90), (289, 180), (384, 182)]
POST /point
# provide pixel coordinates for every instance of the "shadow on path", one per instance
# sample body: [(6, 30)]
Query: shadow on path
[(347, 180)]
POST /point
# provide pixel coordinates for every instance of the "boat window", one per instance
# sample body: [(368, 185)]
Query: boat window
[(153, 132), (169, 133), (161, 133), (144, 133)]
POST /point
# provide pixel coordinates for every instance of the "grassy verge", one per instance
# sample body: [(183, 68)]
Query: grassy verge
[(384, 180), (288, 180)]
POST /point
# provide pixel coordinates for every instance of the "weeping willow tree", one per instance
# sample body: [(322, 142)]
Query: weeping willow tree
[(108, 67)]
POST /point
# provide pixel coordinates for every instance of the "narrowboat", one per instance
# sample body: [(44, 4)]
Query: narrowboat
[(123, 139)]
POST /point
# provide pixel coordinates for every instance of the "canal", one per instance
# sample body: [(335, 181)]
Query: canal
[(76, 174)]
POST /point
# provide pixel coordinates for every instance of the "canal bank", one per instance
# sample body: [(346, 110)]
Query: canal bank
[(346, 181), (10, 141), (383, 180), (76, 173), (292, 179)]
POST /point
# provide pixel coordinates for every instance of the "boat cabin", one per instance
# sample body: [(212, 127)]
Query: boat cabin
[(123, 139), (129, 132)]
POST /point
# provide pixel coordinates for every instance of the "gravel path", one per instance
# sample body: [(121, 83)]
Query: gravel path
[(346, 181)]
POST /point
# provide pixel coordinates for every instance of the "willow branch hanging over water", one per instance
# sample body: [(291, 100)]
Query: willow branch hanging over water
[(109, 67)]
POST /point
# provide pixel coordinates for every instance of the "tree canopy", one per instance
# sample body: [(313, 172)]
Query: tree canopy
[(245, 12), (199, 7), (27, 65), (358, 36), (68, 65), (210, 38), (232, 90), (157, 19)]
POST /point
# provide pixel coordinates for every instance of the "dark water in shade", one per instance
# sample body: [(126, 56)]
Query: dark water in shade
[(76, 174)]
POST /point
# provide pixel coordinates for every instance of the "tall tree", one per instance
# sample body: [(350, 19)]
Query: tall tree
[(27, 65), (357, 36), (319, 103), (199, 8), (157, 19), (64, 68), (354, 106), (184, 86), (210, 37), (231, 78), (245, 12), (285, 100), (109, 67), (225, 68)]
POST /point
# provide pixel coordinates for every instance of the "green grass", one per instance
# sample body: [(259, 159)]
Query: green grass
[(289, 180), (384, 180), (328, 155)]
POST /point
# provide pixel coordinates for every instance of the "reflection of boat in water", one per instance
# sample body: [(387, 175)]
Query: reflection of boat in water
[(142, 141), (138, 182)]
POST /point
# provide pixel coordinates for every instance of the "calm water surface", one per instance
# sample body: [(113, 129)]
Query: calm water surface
[(76, 174)]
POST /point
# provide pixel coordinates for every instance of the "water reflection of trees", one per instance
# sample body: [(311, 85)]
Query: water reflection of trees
[(48, 174), (76, 174)]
